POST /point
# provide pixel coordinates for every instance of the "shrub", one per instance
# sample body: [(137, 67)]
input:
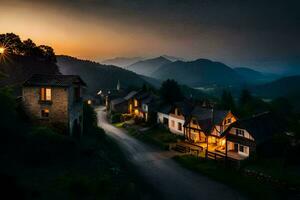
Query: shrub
[(116, 117), (46, 145)]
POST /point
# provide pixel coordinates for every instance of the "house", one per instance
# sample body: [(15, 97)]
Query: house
[(244, 135), (118, 105), (206, 124), (178, 114), (141, 104), (55, 100), (163, 115)]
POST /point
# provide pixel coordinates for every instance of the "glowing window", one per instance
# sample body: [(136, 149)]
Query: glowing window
[(45, 113), (135, 103), (45, 94)]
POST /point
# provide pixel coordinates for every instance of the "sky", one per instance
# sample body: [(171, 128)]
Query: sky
[(237, 32)]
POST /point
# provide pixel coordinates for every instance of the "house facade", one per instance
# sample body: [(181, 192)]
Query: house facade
[(55, 100)]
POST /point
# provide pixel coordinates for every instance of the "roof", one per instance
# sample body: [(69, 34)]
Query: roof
[(117, 101), (53, 80), (217, 116), (165, 109), (130, 95), (207, 117), (185, 107), (261, 127)]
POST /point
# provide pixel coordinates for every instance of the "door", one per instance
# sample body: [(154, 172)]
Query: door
[(236, 147)]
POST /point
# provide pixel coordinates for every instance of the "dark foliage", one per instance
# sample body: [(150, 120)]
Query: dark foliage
[(14, 45), (170, 91)]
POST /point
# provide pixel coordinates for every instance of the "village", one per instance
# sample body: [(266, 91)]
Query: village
[(199, 128)]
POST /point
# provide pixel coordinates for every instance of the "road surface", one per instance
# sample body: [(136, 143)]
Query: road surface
[(163, 173)]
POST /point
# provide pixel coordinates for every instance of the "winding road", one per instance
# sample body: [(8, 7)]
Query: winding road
[(163, 173)]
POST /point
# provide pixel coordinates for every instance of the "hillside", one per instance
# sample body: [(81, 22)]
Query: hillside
[(147, 67), (19, 68), (254, 77), (282, 87), (98, 76), (201, 72), (287, 87), (121, 61)]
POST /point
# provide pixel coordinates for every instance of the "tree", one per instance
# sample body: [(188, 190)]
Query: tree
[(48, 53), (12, 43), (245, 97), (170, 91), (227, 101)]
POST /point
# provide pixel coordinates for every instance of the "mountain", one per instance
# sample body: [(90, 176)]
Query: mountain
[(98, 76), (121, 61), (279, 88), (287, 87), (15, 70), (201, 72), (173, 58), (255, 77), (147, 67)]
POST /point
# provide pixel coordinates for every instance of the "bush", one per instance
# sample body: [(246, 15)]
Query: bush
[(116, 117), (46, 145)]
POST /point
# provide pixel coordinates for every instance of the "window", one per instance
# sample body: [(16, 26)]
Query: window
[(135, 103), (45, 94), (179, 126), (45, 113), (240, 132), (194, 121), (229, 121), (241, 148)]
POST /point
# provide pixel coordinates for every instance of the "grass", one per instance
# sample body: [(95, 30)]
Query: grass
[(157, 136), (250, 186)]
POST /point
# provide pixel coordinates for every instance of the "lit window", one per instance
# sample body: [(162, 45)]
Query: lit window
[(45, 94), (45, 113), (135, 103)]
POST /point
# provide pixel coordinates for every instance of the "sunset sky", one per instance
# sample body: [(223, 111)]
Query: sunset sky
[(240, 33)]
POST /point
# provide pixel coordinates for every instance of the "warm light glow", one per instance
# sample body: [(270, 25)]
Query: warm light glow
[(2, 49), (89, 102), (136, 112)]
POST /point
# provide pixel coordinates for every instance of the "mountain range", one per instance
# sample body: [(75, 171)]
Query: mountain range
[(121, 61), (201, 72), (147, 67), (98, 76)]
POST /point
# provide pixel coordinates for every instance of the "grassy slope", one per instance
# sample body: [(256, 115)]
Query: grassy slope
[(250, 186)]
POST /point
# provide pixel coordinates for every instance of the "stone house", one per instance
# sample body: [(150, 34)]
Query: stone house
[(55, 100)]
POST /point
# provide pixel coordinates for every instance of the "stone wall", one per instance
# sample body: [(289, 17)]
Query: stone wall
[(58, 107)]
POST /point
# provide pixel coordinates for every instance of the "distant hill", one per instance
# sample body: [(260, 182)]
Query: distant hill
[(282, 87), (287, 87), (99, 76), (147, 67), (201, 72), (17, 69), (121, 61), (255, 77)]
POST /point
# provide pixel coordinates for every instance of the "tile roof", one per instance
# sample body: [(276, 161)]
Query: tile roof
[(53, 80)]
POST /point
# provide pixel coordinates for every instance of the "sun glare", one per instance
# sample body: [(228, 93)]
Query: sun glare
[(2, 49)]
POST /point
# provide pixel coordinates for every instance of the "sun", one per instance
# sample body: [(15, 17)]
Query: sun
[(2, 49)]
